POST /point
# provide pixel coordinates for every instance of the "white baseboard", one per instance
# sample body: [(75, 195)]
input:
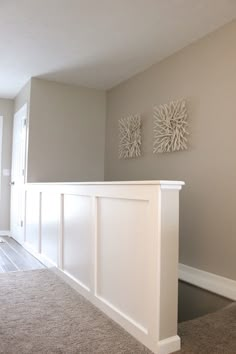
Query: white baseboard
[(5, 233), (219, 285), (169, 345), (41, 257)]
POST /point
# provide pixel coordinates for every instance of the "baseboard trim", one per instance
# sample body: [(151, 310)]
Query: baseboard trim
[(41, 257), (5, 233), (169, 345), (219, 285)]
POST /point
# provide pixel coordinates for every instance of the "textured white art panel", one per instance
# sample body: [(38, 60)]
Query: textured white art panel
[(170, 127), (130, 137)]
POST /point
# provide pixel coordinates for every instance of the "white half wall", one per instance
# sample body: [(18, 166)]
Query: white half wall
[(118, 242)]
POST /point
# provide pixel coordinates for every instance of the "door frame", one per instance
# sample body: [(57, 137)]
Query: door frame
[(24, 107)]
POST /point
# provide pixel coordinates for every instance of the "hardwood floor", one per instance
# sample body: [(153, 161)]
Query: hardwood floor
[(13, 257)]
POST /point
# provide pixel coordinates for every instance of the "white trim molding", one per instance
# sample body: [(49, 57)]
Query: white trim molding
[(5, 233), (216, 284), (141, 217), (169, 345)]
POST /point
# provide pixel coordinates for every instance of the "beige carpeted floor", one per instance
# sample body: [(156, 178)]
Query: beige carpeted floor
[(210, 334), (39, 313)]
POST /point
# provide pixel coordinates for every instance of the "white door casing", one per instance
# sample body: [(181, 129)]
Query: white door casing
[(18, 173)]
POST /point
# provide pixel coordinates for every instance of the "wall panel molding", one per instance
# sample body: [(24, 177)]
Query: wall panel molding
[(117, 242)]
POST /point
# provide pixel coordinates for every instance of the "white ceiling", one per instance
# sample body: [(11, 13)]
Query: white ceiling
[(97, 43)]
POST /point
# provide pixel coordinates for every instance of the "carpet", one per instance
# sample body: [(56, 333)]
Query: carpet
[(210, 334), (40, 313)]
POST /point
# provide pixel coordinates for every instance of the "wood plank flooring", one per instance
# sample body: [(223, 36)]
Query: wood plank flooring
[(13, 257)]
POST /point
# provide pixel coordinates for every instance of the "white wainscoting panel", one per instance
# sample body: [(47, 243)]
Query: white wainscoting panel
[(122, 257), (78, 238), (50, 225), (32, 219), (118, 243)]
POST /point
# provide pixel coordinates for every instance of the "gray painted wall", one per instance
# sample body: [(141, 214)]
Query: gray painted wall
[(66, 139), (203, 73), (23, 97), (6, 110), (66, 133)]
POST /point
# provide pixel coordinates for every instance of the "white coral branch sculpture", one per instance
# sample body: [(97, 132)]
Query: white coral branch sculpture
[(130, 137), (170, 127)]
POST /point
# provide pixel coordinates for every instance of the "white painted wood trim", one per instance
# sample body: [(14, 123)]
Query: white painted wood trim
[(26, 140), (169, 345), (40, 224), (76, 281), (18, 174), (217, 284), (95, 239), (5, 233), (41, 257), (91, 239), (1, 136), (172, 184), (122, 314), (113, 314), (60, 260), (24, 217)]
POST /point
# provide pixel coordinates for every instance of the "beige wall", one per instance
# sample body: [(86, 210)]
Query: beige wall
[(66, 133), (204, 73), (23, 97), (6, 110)]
